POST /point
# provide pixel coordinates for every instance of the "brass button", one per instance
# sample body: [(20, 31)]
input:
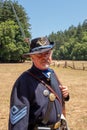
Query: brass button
[(52, 97), (57, 125)]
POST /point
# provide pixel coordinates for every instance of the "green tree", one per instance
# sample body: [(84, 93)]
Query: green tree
[(7, 13), (79, 51), (12, 45)]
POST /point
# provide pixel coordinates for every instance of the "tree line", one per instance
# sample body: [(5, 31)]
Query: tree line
[(70, 44)]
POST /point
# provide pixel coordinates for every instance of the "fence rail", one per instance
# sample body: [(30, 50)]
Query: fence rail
[(77, 65)]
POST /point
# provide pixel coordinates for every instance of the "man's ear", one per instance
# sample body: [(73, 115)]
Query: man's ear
[(32, 57)]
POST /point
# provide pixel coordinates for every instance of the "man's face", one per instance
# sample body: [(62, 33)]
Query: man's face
[(42, 60)]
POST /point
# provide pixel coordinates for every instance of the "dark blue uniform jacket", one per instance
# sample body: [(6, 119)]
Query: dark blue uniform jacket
[(29, 100)]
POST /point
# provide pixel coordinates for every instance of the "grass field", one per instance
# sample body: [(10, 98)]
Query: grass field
[(76, 80)]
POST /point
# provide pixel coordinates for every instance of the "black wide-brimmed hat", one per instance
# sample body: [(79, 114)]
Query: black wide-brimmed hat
[(39, 45)]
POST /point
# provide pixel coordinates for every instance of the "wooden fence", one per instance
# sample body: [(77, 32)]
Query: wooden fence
[(77, 65)]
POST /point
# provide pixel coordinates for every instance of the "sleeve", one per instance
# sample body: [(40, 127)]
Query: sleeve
[(19, 109)]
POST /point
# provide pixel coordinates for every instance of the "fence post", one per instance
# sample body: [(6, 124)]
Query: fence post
[(83, 66), (65, 65), (73, 65)]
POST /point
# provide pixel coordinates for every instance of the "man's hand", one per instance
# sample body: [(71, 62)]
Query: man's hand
[(65, 91)]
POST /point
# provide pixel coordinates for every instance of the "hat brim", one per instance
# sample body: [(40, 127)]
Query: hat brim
[(39, 51)]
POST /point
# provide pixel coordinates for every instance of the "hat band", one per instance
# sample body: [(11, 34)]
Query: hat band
[(41, 47)]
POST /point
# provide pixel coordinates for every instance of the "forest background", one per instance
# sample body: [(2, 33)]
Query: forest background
[(70, 44)]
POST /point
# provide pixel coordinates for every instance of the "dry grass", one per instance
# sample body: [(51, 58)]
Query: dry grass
[(75, 79)]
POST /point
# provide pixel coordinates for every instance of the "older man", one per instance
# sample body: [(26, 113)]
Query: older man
[(37, 96)]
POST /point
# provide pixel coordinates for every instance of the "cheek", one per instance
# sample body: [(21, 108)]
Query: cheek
[(37, 62)]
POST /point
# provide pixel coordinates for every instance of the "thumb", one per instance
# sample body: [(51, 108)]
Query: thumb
[(60, 86)]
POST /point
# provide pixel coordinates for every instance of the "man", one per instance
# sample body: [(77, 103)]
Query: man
[(37, 96)]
